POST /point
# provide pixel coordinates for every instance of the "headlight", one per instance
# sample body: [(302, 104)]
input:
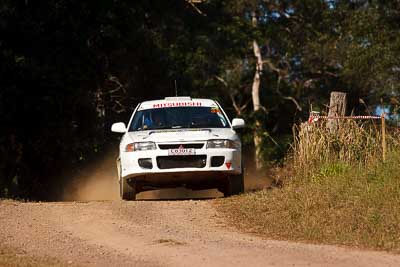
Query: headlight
[(222, 143), (140, 146)]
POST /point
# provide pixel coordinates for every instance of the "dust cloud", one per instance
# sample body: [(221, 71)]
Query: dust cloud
[(256, 180), (98, 181)]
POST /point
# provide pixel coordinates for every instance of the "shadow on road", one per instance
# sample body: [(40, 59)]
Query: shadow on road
[(179, 194)]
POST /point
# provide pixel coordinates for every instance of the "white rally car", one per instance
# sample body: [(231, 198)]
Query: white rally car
[(179, 141)]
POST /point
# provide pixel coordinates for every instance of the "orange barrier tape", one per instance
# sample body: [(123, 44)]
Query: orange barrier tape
[(316, 118)]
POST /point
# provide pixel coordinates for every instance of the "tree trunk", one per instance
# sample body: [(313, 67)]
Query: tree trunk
[(337, 108), (255, 94)]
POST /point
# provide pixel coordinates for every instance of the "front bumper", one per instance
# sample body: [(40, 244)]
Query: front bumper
[(130, 167)]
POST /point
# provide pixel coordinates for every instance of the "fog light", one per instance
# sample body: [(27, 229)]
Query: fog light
[(217, 161), (146, 163)]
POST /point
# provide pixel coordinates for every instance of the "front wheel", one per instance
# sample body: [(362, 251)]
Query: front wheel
[(127, 192), (234, 185)]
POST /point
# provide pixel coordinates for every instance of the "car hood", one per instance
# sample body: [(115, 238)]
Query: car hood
[(177, 135)]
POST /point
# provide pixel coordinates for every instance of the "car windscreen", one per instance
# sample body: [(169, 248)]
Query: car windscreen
[(178, 117)]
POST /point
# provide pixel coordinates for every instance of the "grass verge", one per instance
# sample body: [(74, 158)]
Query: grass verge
[(337, 204)]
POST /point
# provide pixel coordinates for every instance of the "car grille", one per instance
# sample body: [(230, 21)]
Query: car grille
[(170, 162), (173, 146)]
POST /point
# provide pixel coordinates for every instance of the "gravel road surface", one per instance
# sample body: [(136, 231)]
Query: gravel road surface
[(157, 233)]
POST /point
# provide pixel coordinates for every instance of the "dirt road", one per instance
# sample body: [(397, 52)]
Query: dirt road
[(157, 233)]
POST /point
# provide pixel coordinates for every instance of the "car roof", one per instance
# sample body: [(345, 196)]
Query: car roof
[(177, 102)]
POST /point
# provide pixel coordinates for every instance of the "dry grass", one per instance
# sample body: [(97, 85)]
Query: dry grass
[(340, 192), (352, 143)]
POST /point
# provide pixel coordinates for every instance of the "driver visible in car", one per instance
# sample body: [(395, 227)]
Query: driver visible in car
[(155, 121)]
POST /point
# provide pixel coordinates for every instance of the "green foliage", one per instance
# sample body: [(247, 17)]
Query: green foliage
[(69, 69)]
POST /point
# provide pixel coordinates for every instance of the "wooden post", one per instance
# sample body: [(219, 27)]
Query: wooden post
[(337, 107), (384, 145)]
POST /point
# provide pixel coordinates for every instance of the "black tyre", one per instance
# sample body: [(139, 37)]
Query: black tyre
[(127, 192), (234, 185)]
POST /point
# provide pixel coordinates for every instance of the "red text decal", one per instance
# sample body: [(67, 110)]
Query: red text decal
[(177, 104)]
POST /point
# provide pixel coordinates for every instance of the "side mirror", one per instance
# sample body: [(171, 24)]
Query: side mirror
[(238, 123), (118, 127)]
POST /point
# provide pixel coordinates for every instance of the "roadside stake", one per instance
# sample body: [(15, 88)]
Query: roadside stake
[(384, 145)]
